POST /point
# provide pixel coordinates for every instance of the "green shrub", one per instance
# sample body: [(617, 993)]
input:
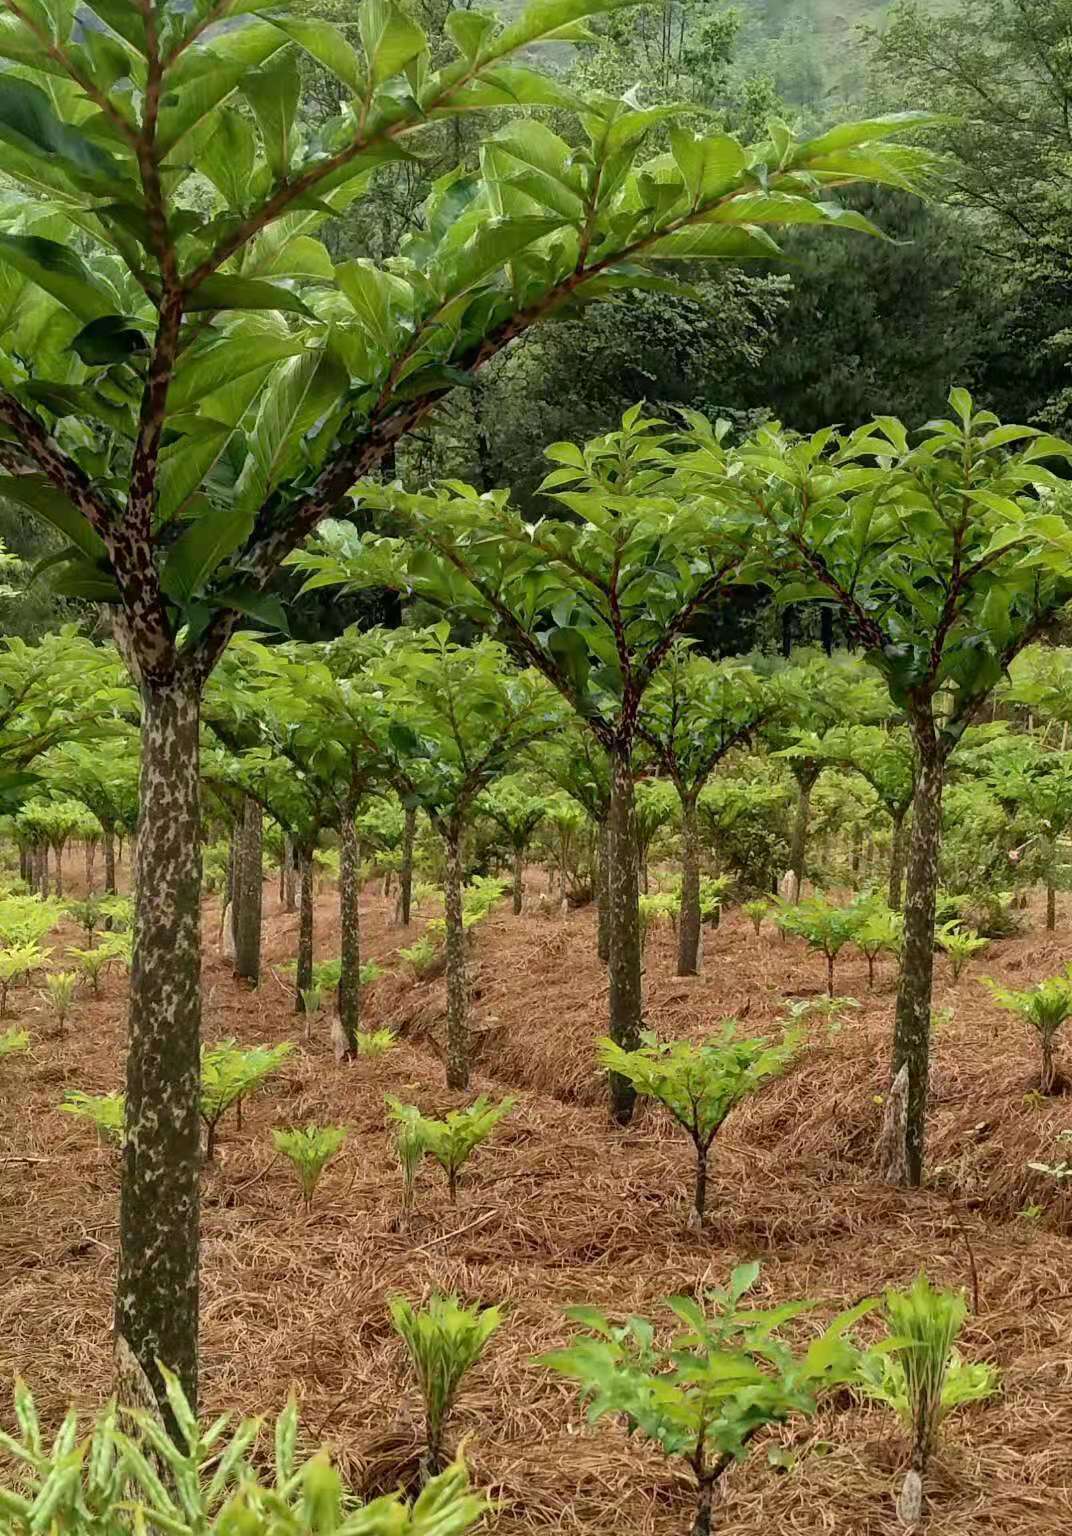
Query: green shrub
[(127, 1477), (699, 1084), (879, 933), (1046, 1007), (311, 1001), (119, 910), (375, 1042), (920, 1375), (13, 1041), (756, 911), (659, 907), (92, 963), (444, 1340), (27, 919), (960, 945), (824, 927), (228, 1074), (425, 958), (60, 988), (17, 962), (310, 1148), (452, 1141), (723, 1379), (88, 913), (104, 1111), (830, 1009)]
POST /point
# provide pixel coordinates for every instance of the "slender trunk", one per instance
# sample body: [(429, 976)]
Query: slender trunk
[(304, 978), (897, 859), (1051, 906), (830, 975), (857, 854), (156, 1306), (109, 860), (702, 1525), (91, 858), (688, 923), (350, 927), (405, 877), (249, 891), (283, 876), (623, 912), (24, 865), (871, 972), (1049, 1068), (290, 866), (700, 1193), (58, 851), (912, 1026), (603, 896), (519, 881), (387, 884), (457, 1022), (799, 841)]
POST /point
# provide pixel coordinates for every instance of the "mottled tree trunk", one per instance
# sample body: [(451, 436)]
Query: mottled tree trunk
[(519, 880), (688, 923), (603, 897), (109, 860), (42, 870), (24, 865), (1051, 906), (798, 845), (289, 871), (912, 1026), (57, 849), (1048, 1077), (897, 860), (405, 877), (249, 892), (623, 916), (350, 929), (91, 861), (457, 1009), (304, 977), (857, 853), (156, 1314)]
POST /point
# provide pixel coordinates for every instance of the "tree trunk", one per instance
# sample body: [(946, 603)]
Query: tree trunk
[(24, 865), (1051, 906), (519, 880), (699, 1200), (688, 923), (623, 914), (350, 927), (43, 868), (289, 872), (405, 876), (156, 1307), (58, 851), (1049, 1068), (304, 978), (702, 1525), (603, 895), (109, 861), (799, 841), (457, 1022), (829, 975), (912, 1026), (91, 859), (897, 860), (249, 892), (857, 853)]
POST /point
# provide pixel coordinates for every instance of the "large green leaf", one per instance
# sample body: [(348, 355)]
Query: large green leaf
[(28, 121), (227, 156), (297, 395), (391, 39), (273, 94), (327, 46), (60, 272), (224, 292), (227, 358), (42, 497), (201, 549), (111, 339), (185, 463)]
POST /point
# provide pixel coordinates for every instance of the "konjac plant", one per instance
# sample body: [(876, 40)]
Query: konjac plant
[(444, 1340), (726, 1376), (309, 1149), (451, 1141), (1046, 1007), (700, 1084)]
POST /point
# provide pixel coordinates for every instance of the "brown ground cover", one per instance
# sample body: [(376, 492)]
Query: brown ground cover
[(559, 1209)]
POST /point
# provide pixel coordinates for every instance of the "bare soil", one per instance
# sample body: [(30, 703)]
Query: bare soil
[(560, 1208)]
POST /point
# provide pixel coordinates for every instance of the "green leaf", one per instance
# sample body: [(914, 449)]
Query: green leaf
[(390, 38), (228, 357), (223, 292), (710, 166), (28, 121), (327, 46), (263, 606), (869, 131), (60, 272), (78, 578), (297, 395), (185, 463), (227, 156), (111, 339), (273, 94), (42, 497), (201, 549), (469, 31)]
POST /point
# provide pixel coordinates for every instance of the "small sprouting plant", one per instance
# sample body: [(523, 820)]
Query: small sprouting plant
[(16, 963), (879, 933), (423, 894), (723, 1379), (1046, 1007), (88, 913), (409, 1146), (831, 1009), (311, 1000), (375, 1042), (424, 958), (756, 911), (119, 910), (960, 944), (60, 988), (13, 1041), (920, 1375), (713, 890), (104, 1111), (228, 1074), (659, 907), (444, 1340), (310, 1148), (92, 963), (699, 1084), (452, 1141), (1060, 1171), (822, 926)]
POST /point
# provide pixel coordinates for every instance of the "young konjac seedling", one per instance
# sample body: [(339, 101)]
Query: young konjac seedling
[(920, 1375), (311, 1000), (310, 1148), (60, 988), (1046, 1007), (723, 1379), (879, 933), (452, 1140), (16, 963), (443, 1339), (409, 1145), (105, 1111), (756, 911), (960, 944), (824, 927), (13, 1041), (228, 1074), (375, 1042), (700, 1084), (88, 913)]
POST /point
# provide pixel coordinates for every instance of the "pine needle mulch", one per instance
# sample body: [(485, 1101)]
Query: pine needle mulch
[(559, 1209)]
